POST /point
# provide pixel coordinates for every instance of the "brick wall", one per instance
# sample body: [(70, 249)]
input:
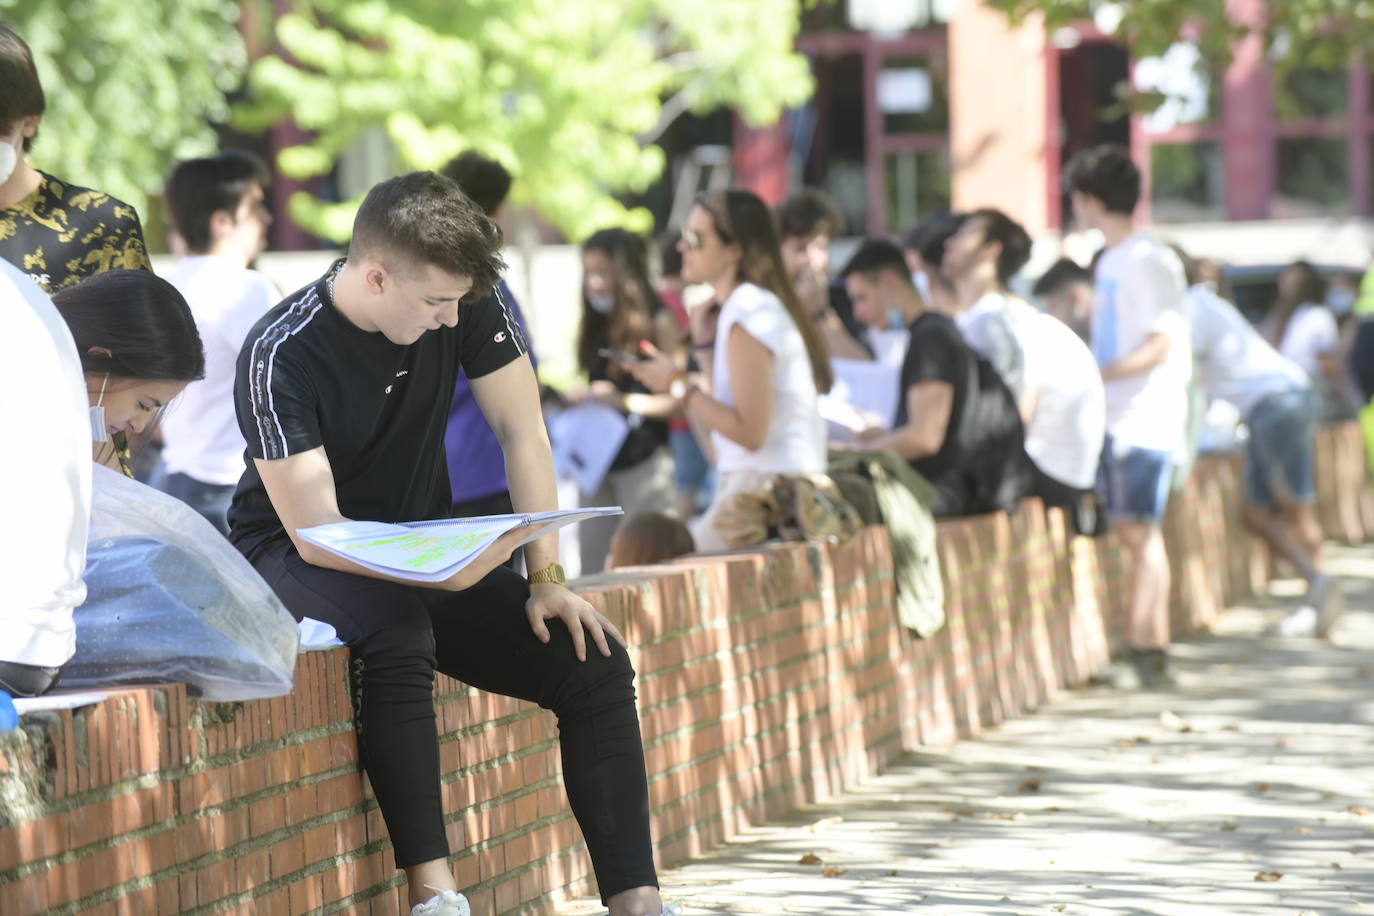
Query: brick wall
[(767, 679)]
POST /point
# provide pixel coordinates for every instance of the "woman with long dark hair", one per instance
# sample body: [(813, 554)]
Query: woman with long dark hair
[(139, 348), (620, 308), (763, 360), (1303, 328)]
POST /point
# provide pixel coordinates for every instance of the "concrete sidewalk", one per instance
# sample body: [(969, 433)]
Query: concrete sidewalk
[(1249, 789)]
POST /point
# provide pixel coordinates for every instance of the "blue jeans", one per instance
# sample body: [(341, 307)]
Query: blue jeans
[(1135, 482), (1280, 460), (209, 499)]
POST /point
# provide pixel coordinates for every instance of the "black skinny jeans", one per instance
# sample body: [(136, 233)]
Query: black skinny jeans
[(400, 635)]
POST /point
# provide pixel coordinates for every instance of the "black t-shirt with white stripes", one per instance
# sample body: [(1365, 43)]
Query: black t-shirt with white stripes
[(308, 377)]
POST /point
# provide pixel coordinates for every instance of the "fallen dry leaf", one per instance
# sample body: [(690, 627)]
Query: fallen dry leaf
[(1269, 876), (1032, 784), (1261, 787), (1060, 908), (1358, 810), (1228, 825), (810, 859), (1305, 831), (830, 871), (1173, 721)]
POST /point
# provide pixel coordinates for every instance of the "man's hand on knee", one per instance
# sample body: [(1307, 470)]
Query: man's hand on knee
[(550, 600)]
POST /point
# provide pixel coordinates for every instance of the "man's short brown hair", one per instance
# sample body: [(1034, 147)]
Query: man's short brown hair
[(807, 212), (21, 94), (424, 218)]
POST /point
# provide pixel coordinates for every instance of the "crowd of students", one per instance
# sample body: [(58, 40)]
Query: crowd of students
[(400, 386)]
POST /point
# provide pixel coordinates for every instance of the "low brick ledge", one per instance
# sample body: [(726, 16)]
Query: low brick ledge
[(768, 679)]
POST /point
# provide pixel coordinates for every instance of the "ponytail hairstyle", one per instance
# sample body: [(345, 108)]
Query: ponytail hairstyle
[(636, 302), (740, 217), (142, 321)]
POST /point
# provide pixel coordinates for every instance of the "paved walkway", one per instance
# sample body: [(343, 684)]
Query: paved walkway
[(1249, 789)]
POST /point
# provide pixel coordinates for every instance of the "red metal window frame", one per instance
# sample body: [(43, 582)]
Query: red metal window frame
[(877, 143)]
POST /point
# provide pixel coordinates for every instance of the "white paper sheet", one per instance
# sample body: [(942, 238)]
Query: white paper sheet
[(586, 439), (432, 551), (871, 388)]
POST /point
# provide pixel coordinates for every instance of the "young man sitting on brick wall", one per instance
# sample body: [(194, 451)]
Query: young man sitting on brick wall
[(342, 394)]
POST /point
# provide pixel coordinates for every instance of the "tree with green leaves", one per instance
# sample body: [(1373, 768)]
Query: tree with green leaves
[(1321, 34), (131, 87), (568, 94)]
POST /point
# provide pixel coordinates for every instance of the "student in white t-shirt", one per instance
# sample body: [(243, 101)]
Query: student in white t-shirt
[(1049, 370), (1140, 340), (45, 397), (218, 208), (763, 361), (1277, 402)]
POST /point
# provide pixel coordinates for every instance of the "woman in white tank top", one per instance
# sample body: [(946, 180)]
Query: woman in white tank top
[(762, 360)]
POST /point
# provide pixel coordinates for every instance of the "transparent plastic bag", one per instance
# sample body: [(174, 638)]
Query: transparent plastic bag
[(169, 599)]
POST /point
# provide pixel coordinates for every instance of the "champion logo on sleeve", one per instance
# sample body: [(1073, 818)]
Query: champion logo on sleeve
[(500, 336)]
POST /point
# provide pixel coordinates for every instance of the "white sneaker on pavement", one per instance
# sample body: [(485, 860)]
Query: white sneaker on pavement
[(443, 903), (1324, 594), (1302, 621)]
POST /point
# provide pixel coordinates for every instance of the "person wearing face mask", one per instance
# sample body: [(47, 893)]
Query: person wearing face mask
[(56, 232), (139, 349), (40, 375), (620, 308), (808, 222)]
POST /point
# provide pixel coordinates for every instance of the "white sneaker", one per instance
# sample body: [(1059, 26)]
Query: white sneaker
[(1302, 621), (1324, 594), (444, 903)]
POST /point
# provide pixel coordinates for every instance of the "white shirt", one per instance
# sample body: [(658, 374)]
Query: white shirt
[(1140, 291), (1237, 364), (201, 435), (47, 472), (795, 443), (987, 328), (1311, 334), (1035, 351), (1065, 433)]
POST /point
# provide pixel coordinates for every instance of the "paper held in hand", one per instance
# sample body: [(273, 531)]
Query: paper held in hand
[(432, 551)]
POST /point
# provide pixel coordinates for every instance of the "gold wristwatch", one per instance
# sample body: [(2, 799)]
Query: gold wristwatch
[(551, 573)]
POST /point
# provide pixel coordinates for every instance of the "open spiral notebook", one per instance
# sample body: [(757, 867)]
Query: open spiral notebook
[(432, 551)]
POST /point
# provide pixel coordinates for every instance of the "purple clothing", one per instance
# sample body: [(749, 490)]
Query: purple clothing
[(476, 465)]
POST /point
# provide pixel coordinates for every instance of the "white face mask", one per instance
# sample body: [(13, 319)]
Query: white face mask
[(922, 282), (99, 431), (1341, 301), (9, 158), (601, 302)]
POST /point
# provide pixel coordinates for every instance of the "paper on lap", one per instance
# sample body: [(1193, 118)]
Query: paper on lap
[(432, 551)]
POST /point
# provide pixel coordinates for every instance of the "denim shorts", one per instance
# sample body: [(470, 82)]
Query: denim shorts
[(1135, 482), (690, 468), (1280, 460)]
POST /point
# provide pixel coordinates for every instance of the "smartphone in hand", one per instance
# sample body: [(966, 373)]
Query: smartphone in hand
[(621, 356)]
